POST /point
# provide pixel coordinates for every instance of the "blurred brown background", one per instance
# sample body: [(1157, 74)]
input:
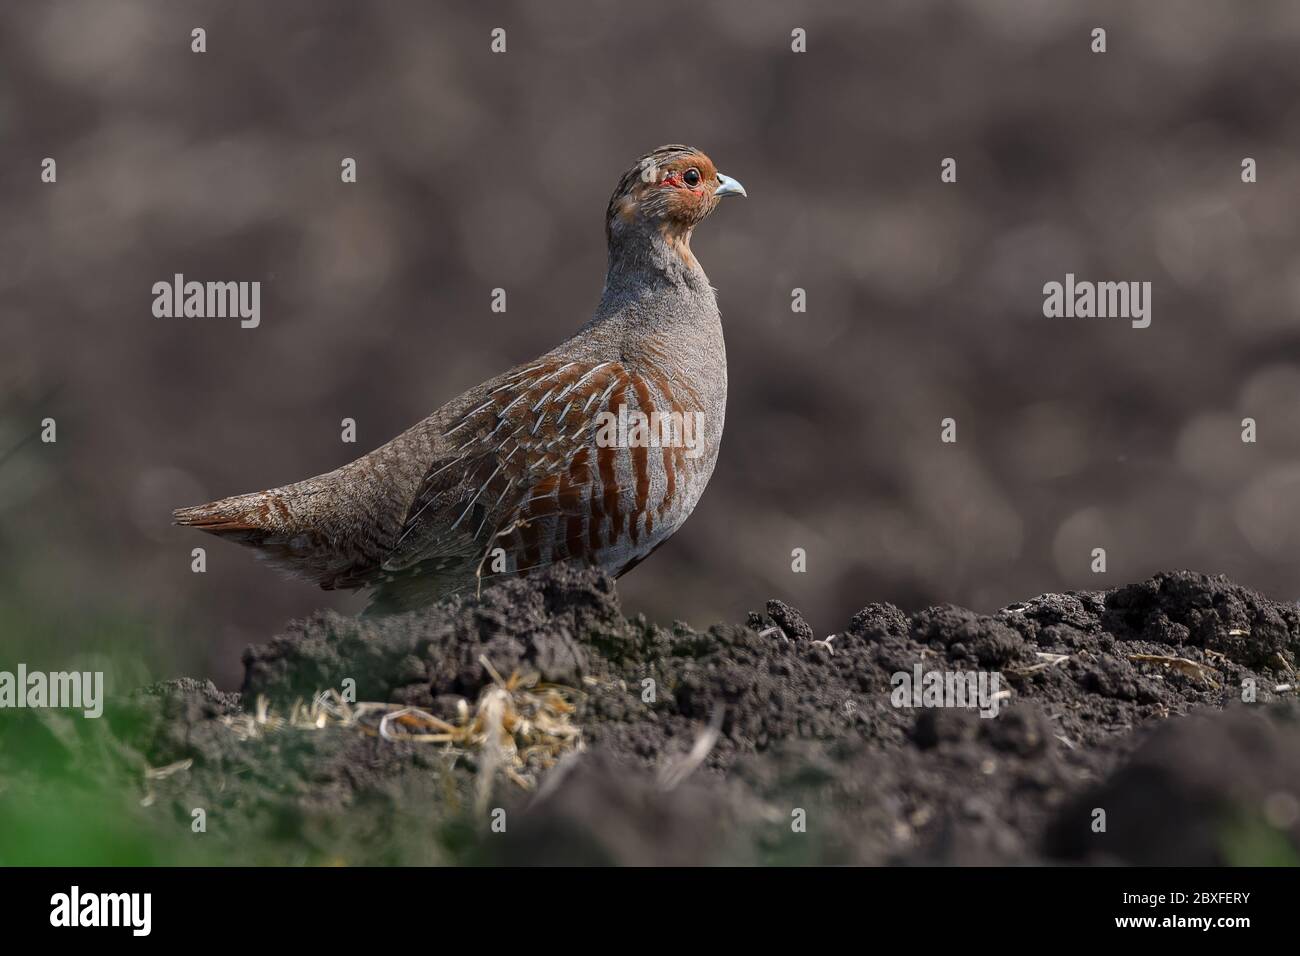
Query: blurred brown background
[(479, 170)]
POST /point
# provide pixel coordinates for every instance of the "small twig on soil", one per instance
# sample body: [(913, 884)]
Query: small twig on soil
[(411, 716), (1180, 664), (498, 748), (675, 771), (1045, 660), (827, 643), (161, 773), (778, 629)]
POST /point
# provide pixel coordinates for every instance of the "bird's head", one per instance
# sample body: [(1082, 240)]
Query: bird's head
[(668, 192)]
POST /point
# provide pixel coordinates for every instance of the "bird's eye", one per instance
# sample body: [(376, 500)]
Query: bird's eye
[(691, 177)]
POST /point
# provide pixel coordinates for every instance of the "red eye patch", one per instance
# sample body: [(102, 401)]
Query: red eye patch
[(675, 180)]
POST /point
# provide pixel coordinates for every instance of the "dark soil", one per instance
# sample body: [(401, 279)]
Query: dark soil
[(1094, 756)]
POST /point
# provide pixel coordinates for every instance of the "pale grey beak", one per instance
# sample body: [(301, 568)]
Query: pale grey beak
[(729, 187)]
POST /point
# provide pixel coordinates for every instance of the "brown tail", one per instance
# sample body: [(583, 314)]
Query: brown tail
[(266, 522), (242, 513)]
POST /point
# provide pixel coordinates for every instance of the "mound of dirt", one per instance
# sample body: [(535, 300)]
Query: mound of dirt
[(538, 724)]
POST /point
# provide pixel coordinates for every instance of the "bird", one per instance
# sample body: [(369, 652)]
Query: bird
[(594, 453)]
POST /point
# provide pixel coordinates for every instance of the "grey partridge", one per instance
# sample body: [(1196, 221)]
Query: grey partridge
[(596, 452)]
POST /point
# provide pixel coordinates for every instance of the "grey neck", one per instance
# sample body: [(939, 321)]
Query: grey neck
[(645, 268)]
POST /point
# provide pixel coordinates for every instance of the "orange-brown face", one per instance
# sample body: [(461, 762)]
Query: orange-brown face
[(674, 188), (683, 188)]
